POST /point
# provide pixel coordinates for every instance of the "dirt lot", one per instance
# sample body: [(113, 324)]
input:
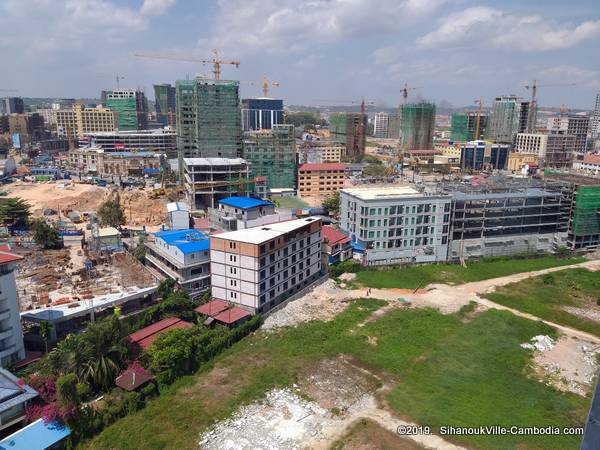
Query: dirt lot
[(319, 412), (368, 435), (570, 365), (140, 208)]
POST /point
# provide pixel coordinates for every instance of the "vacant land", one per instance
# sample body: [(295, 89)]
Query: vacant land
[(367, 435), (568, 297), (412, 277), (438, 369), (290, 202)]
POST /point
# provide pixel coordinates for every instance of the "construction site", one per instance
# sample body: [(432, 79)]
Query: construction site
[(272, 154), (417, 124)]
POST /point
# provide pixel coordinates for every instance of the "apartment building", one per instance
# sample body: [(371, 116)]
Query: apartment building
[(555, 150), (575, 125), (79, 121), (320, 179), (259, 268), (208, 180), (380, 125), (182, 255), (396, 224), (318, 152), (237, 213), (510, 115), (590, 165), (12, 348)]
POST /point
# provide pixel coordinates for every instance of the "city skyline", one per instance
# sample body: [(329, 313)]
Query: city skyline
[(320, 51)]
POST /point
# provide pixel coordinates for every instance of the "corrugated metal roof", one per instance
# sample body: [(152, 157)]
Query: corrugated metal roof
[(12, 391), (36, 435), (188, 241), (244, 202), (6, 257), (333, 236), (232, 315), (146, 336), (323, 166), (212, 308)]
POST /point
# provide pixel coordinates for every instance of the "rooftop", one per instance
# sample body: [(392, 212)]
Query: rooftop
[(323, 166), (212, 308), (232, 315), (244, 202), (132, 379), (6, 257), (383, 192), (258, 235), (36, 435), (146, 336), (106, 232), (333, 236), (188, 241), (177, 206), (591, 159), (13, 391)]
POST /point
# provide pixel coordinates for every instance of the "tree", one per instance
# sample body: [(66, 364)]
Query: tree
[(374, 170), (45, 329), (332, 203), (166, 287), (139, 252), (46, 235), (111, 214), (66, 390), (14, 212)]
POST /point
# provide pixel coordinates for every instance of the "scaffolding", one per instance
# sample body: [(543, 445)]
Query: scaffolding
[(208, 118), (463, 126), (586, 215), (417, 123), (272, 154), (349, 129)]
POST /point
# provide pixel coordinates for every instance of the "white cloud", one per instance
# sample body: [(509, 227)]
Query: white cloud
[(156, 7), (247, 26), (483, 26)]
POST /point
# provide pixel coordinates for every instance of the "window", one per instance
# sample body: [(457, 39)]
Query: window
[(232, 258), (233, 270), (272, 245)]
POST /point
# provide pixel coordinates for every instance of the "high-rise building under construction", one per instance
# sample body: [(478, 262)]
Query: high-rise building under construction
[(417, 124), (208, 118), (463, 126), (272, 153), (164, 103), (510, 115), (131, 108), (349, 129)]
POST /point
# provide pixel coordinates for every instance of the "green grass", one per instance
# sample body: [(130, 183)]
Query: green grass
[(290, 202), (445, 371), (544, 296), (411, 277)]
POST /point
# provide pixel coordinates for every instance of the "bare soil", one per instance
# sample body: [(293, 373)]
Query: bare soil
[(366, 434)]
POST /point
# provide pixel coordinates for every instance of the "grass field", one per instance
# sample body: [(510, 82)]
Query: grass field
[(445, 371), (367, 434), (290, 202), (411, 277), (544, 296)]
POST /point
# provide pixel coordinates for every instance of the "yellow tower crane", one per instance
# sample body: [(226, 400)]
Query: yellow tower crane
[(215, 61)]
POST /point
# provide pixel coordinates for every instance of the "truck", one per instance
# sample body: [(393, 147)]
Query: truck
[(98, 181)]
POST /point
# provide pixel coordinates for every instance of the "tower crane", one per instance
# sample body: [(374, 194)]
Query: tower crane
[(215, 61), (265, 83), (533, 88), (405, 92)]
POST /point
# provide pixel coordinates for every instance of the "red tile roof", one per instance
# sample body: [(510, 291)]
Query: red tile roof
[(591, 159), (212, 308), (232, 315), (323, 166), (146, 336), (6, 257), (333, 236), (132, 379)]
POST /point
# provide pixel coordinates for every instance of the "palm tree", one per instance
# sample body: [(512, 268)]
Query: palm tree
[(45, 329), (102, 370)]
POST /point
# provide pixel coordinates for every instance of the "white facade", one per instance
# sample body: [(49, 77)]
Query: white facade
[(595, 122), (261, 267), (11, 335), (396, 224), (178, 216), (380, 125)]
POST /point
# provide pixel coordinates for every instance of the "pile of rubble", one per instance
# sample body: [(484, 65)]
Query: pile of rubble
[(282, 420), (541, 343)]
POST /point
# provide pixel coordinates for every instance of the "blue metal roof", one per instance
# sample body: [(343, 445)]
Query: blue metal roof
[(151, 170), (244, 202), (188, 241), (35, 436)]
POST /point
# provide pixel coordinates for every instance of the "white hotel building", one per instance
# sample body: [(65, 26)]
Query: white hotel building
[(258, 268)]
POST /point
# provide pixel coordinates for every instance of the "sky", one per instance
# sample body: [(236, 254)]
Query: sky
[(320, 51)]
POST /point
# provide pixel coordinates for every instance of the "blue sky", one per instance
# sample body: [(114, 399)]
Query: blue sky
[(321, 51)]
